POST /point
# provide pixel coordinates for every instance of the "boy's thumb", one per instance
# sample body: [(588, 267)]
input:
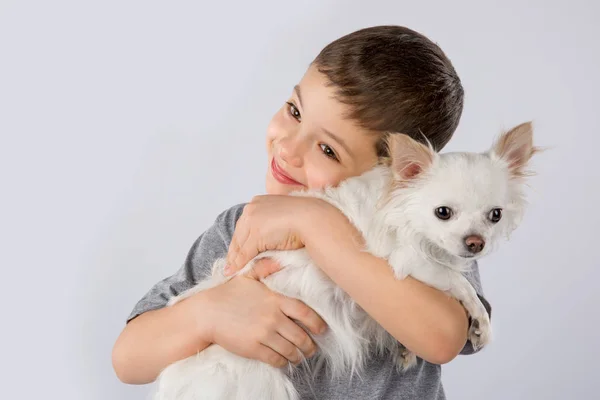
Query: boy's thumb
[(263, 268)]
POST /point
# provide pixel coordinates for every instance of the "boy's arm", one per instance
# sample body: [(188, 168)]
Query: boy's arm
[(156, 335), (427, 321), (430, 323), (158, 338), (242, 315)]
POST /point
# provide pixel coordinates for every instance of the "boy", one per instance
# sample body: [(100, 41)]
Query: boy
[(359, 89)]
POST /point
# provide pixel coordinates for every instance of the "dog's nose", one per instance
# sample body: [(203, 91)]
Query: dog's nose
[(474, 243)]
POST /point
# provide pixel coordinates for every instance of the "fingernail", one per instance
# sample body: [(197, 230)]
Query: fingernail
[(323, 329), (227, 270)]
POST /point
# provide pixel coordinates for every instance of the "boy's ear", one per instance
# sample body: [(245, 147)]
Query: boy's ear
[(515, 147), (409, 158)]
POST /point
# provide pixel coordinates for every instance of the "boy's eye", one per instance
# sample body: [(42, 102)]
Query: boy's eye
[(328, 152), (293, 110)]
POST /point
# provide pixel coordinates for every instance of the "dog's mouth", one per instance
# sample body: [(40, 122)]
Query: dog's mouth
[(441, 253)]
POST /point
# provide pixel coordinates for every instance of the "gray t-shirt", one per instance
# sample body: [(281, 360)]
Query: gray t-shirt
[(380, 379)]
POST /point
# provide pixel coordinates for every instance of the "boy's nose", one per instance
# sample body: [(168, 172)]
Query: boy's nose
[(290, 153)]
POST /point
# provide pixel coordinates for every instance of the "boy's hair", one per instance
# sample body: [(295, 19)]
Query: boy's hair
[(395, 80)]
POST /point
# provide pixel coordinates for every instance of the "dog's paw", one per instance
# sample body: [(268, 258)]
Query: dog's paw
[(406, 359), (480, 332)]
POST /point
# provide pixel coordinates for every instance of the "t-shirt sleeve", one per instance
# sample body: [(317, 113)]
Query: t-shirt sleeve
[(208, 248), (472, 276)]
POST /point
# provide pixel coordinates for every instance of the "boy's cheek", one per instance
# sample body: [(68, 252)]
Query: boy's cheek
[(319, 179), (275, 127)]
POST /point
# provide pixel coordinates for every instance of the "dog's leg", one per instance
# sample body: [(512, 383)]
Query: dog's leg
[(406, 262), (405, 358), (480, 331)]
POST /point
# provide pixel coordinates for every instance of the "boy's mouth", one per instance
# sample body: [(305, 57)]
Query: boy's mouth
[(280, 175)]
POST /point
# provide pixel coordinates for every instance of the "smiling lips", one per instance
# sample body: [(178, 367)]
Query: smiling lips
[(280, 175)]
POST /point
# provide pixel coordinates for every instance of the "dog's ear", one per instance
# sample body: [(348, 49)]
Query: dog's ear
[(409, 158), (515, 147)]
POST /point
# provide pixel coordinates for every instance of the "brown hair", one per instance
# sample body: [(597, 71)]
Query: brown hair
[(395, 80)]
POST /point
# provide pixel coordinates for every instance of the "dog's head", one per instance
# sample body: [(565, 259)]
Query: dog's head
[(462, 202)]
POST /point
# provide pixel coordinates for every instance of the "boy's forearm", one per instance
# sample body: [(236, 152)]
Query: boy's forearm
[(156, 339), (425, 320)]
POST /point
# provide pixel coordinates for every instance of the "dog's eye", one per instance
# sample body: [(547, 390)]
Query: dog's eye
[(495, 215), (443, 213)]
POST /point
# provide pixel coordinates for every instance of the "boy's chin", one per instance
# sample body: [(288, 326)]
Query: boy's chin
[(275, 188)]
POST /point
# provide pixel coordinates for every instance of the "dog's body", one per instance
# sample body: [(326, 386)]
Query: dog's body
[(393, 207)]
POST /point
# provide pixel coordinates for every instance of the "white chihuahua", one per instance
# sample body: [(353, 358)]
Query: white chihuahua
[(429, 215)]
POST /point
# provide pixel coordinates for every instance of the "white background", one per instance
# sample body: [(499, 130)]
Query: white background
[(128, 126)]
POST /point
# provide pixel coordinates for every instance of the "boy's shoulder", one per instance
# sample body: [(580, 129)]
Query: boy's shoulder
[(227, 219), (208, 247)]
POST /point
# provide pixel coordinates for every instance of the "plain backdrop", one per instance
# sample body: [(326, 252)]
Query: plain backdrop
[(127, 126)]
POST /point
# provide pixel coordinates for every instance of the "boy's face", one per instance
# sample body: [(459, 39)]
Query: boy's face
[(310, 143)]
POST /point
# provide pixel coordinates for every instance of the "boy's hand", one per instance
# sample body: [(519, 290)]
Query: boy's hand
[(270, 222), (263, 268), (250, 320)]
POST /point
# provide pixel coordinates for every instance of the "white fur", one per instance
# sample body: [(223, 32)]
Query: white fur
[(398, 224)]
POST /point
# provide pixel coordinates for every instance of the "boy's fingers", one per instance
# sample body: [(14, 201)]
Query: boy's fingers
[(265, 267), (296, 335), (270, 356), (235, 257), (297, 310), (240, 260), (283, 347), (234, 247), (246, 252), (240, 237)]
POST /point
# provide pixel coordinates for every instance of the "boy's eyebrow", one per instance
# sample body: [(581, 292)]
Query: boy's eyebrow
[(297, 90), (339, 140)]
